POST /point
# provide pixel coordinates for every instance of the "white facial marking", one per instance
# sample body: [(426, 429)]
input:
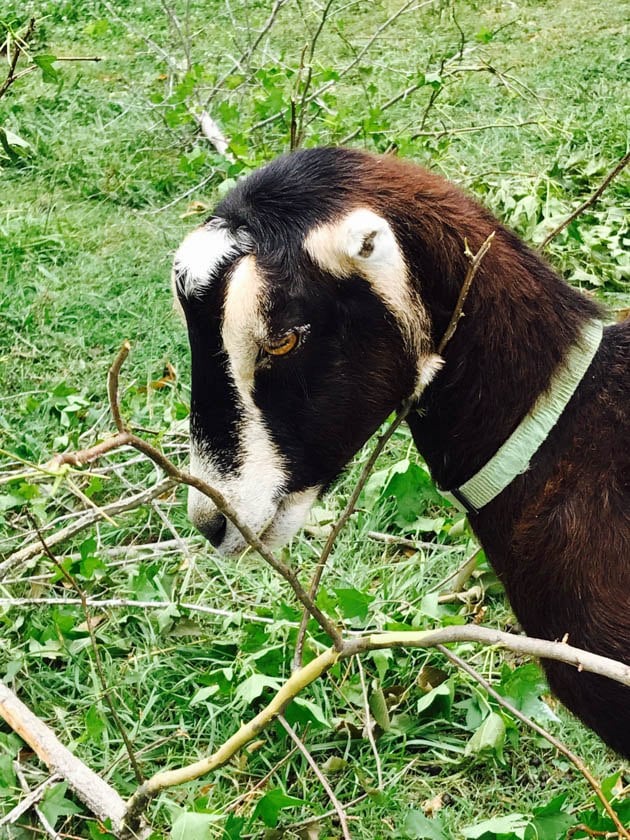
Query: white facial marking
[(243, 325), (199, 255), (364, 243), (255, 488)]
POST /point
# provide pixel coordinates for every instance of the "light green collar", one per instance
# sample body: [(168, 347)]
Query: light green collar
[(514, 456)]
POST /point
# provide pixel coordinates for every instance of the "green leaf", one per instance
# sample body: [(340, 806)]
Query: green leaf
[(314, 711), (203, 693), (45, 62), (54, 804), (94, 724), (354, 604), (269, 807), (489, 736), (438, 701), (378, 707), (523, 687), (253, 687), (192, 826), (7, 773), (510, 824), (416, 825)]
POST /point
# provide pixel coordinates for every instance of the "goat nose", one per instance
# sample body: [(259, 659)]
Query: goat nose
[(214, 529)]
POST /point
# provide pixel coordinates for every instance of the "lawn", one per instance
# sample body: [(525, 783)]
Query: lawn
[(523, 104)]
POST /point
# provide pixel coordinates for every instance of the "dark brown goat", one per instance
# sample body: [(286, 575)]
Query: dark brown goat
[(315, 299)]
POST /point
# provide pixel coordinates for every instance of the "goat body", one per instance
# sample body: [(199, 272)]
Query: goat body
[(361, 259)]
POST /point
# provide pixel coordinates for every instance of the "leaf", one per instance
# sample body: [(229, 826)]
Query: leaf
[(416, 825), (352, 603), (203, 693), (523, 687), (54, 804), (378, 707), (45, 62), (7, 773), (510, 824), (253, 687), (269, 807), (489, 736), (314, 711), (192, 826), (438, 700)]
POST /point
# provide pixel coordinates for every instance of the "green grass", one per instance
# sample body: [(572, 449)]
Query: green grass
[(89, 219)]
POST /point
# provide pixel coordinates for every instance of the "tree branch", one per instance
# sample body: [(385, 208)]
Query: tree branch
[(343, 821), (98, 796), (555, 742), (586, 204)]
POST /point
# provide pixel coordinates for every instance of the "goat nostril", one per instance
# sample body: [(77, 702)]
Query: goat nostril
[(214, 529)]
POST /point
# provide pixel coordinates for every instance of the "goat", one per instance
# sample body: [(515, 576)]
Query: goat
[(315, 298)]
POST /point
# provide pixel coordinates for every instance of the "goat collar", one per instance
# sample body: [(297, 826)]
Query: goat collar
[(514, 456)]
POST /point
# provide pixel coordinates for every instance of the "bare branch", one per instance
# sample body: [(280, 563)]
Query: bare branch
[(589, 201), (369, 725), (475, 262), (341, 522), (543, 649), (352, 647), (343, 821), (126, 603), (98, 796), (168, 778), (119, 506)]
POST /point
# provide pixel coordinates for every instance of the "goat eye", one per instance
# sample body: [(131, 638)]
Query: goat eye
[(283, 345)]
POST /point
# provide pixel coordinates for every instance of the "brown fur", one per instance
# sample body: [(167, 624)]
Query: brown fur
[(558, 536)]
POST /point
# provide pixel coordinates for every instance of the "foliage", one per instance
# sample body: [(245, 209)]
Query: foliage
[(103, 179)]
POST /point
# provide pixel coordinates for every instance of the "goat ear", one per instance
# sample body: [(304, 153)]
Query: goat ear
[(368, 240), (361, 241)]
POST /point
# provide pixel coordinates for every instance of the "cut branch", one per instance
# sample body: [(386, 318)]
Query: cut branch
[(98, 796)]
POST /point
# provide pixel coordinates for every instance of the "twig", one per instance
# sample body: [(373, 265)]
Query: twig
[(461, 575), (297, 130), (352, 64), (541, 648), (573, 758), (405, 542), (278, 4), (590, 200), (48, 828), (343, 822), (125, 603), (86, 456), (98, 796), (112, 386), (341, 521), (475, 262), (31, 799), (217, 498), (369, 727), (119, 506), (19, 46), (95, 650)]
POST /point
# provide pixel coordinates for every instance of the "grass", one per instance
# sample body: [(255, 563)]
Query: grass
[(89, 219)]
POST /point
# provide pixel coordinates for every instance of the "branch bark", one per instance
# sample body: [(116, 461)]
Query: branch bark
[(98, 796)]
